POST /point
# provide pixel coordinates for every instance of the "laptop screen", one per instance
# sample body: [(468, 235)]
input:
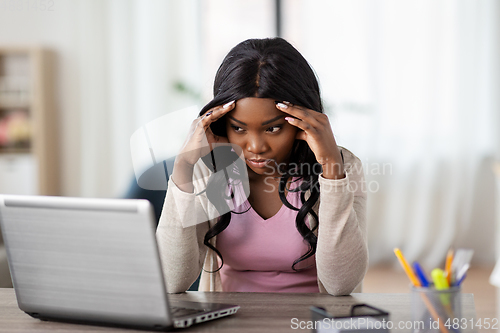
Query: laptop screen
[(94, 259)]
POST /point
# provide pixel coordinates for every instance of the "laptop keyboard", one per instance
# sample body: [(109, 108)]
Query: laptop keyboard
[(181, 312)]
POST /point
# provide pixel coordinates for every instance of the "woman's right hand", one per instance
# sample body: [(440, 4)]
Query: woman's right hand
[(200, 138)]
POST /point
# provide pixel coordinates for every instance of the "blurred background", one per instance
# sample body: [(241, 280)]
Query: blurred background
[(411, 87)]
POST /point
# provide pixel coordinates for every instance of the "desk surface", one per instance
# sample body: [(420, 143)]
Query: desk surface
[(259, 312)]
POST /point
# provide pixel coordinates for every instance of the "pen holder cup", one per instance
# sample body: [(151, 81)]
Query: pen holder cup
[(435, 310)]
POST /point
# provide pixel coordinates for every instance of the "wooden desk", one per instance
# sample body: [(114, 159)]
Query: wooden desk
[(260, 312)]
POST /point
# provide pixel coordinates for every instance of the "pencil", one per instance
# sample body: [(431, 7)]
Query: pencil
[(449, 260), (407, 268), (434, 313)]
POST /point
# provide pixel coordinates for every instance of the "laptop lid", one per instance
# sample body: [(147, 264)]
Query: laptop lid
[(89, 260)]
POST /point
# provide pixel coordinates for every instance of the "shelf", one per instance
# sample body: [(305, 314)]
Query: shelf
[(7, 106), (15, 151), (27, 112)]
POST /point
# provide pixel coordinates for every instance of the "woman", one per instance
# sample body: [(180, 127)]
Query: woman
[(302, 228)]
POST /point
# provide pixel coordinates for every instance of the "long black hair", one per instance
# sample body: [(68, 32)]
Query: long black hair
[(267, 68)]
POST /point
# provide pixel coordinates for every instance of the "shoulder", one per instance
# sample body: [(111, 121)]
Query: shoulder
[(352, 164), (349, 157)]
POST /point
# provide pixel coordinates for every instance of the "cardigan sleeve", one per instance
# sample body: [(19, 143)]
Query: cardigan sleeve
[(342, 251), (180, 234)]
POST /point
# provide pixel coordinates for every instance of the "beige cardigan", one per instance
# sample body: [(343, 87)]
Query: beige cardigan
[(341, 254)]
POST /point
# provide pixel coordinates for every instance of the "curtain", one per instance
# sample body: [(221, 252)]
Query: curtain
[(411, 88), (142, 60), (132, 55)]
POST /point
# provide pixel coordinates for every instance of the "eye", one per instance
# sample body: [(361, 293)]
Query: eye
[(274, 129), (237, 129)]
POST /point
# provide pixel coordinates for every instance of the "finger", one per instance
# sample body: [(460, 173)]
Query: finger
[(300, 113), (292, 109), (219, 110), (295, 106), (299, 123), (216, 113)]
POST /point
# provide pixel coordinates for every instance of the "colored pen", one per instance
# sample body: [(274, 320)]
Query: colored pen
[(460, 264), (449, 260), (416, 283), (459, 282), (419, 271), (440, 282), (438, 276), (407, 268)]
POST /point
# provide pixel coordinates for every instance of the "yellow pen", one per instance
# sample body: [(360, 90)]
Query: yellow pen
[(440, 282), (447, 267), (407, 268)]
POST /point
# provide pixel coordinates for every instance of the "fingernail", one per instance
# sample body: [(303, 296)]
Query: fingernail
[(208, 113), (288, 118), (287, 103), (225, 106), (281, 105)]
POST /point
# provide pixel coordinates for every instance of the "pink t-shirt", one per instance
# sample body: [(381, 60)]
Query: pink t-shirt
[(259, 253)]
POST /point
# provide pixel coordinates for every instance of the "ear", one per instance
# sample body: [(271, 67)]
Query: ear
[(301, 135)]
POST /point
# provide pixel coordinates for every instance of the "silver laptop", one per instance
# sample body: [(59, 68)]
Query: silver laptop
[(92, 261)]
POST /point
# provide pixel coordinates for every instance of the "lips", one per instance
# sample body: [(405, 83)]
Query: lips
[(258, 163)]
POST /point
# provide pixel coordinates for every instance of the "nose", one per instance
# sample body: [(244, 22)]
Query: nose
[(256, 144)]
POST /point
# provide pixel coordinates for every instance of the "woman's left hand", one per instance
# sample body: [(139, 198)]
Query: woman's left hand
[(314, 128)]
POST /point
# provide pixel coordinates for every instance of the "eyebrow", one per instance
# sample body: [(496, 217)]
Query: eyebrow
[(264, 123)]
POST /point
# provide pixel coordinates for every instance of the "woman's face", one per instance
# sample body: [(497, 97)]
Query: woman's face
[(260, 129)]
